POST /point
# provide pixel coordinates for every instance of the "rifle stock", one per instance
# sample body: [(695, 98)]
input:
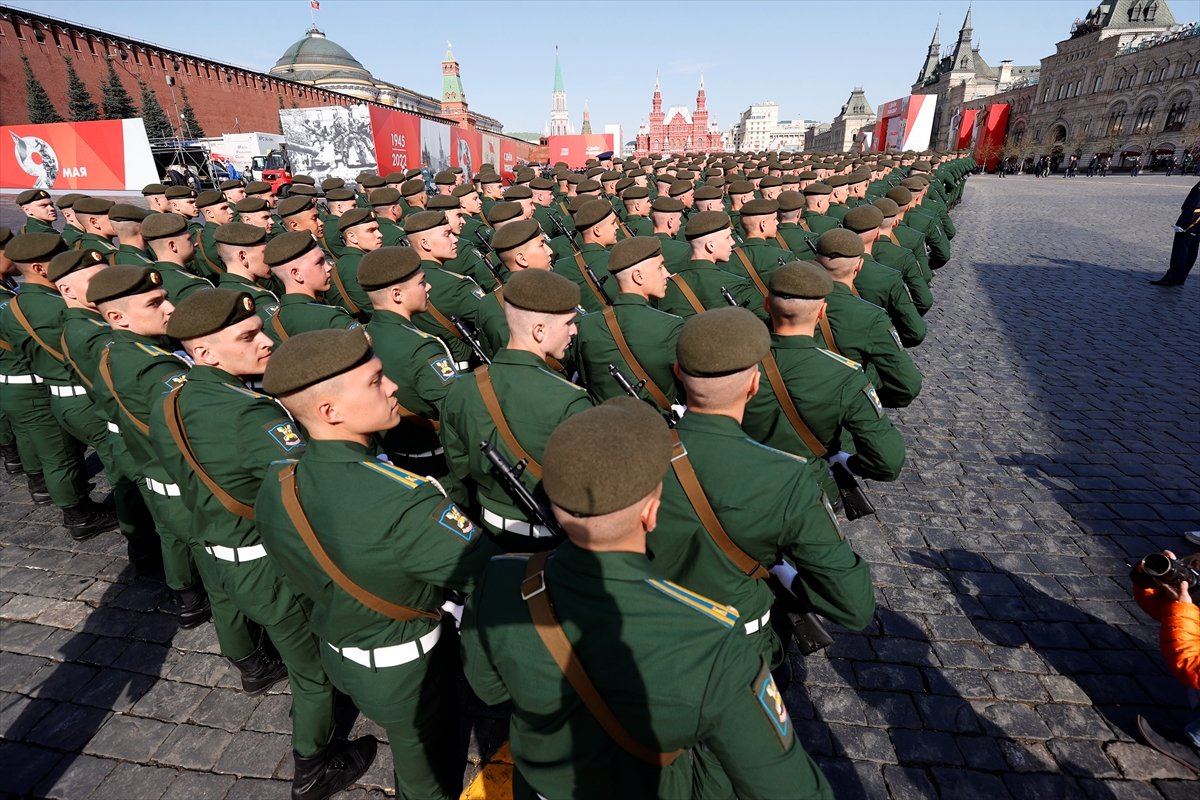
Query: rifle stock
[(510, 474), (468, 336), (854, 499)]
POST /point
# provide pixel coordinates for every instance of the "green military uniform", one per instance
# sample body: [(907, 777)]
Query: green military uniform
[(128, 254), (208, 263), (863, 333), (12, 433), (764, 255), (935, 238), (471, 224), (706, 280), (333, 241), (903, 261), (265, 301), (298, 313), (596, 257), (837, 211), (885, 287), (914, 242), (819, 223), (178, 282), (94, 241), (473, 264), (545, 217), (394, 512), (676, 254), (393, 234), (618, 613), (798, 239), (37, 226), (639, 226), (356, 303), (650, 335), (563, 247), (71, 235), (491, 323), (452, 295)]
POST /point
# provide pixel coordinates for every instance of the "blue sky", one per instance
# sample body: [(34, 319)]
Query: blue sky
[(807, 55)]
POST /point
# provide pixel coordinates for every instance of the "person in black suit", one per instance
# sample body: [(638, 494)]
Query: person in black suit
[(1187, 241)]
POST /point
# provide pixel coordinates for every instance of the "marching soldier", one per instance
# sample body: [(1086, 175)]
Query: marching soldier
[(167, 237), (300, 265), (451, 295), (39, 211), (666, 215), (816, 212), (759, 254), (519, 246), (72, 227), (338, 201), (891, 232), (890, 254), (698, 286), (182, 201), (155, 195), (472, 210), (882, 285), (243, 250), (543, 203), (469, 260), (793, 233), (127, 225), (255, 211), (412, 196), (234, 191), (359, 231), (637, 211), (935, 243), (92, 213), (385, 202), (596, 223), (10, 454)]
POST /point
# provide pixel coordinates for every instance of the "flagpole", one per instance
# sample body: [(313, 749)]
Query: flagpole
[(312, 12)]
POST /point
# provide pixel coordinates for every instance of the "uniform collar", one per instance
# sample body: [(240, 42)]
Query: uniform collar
[(82, 313), (718, 424), (752, 242), (389, 317), (522, 358), (37, 288), (840, 288), (797, 342), (213, 375), (592, 247), (627, 299), (122, 335), (698, 263), (337, 451), (169, 266), (296, 299), (620, 566)]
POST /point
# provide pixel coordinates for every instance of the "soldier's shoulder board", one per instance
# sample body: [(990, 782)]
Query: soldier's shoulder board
[(840, 359), (155, 350), (719, 612), (410, 480), (561, 379), (242, 390)]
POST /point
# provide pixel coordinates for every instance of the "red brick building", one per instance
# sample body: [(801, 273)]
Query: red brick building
[(678, 130)]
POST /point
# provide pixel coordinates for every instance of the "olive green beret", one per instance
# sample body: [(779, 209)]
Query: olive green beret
[(485, 176), (721, 342), (309, 358), (680, 188), (241, 235), (576, 203), (387, 266), (757, 174), (594, 172), (394, 177), (760, 208), (487, 165), (463, 190), (704, 223), (860, 176), (623, 184), (412, 188), (258, 187), (305, 180), (542, 291), (179, 192), (817, 188), (770, 181), (329, 184), (303, 190), (287, 247), (574, 179), (741, 187), (68, 200), (30, 248), (151, 189), (32, 196), (807, 175), (123, 280), (294, 205), (209, 197), (93, 205), (667, 205), (233, 183), (371, 181), (541, 184), (441, 202), (6, 236), (123, 212), (518, 193), (355, 216), (69, 261), (635, 193), (708, 192), (586, 186), (801, 280), (339, 195), (445, 178), (887, 207), (251, 205), (790, 201), (834, 181), (415, 172), (423, 221), (386, 196), (839, 243), (163, 226), (208, 311), (504, 211), (593, 212), (632, 251), (900, 195), (610, 175), (862, 219), (915, 183), (513, 236), (923, 166), (628, 447)]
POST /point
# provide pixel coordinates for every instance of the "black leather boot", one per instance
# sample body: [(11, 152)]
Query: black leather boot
[(340, 765), (190, 605), (87, 519), (37, 488), (262, 669), (11, 458)]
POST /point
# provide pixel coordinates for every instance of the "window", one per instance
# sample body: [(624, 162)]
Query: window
[(1078, 87), (1144, 119), (1061, 91), (1162, 73), (1096, 85), (1177, 116), (1149, 76), (1116, 122)]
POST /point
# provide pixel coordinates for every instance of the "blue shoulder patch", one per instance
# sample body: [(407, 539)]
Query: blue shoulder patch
[(284, 434), (771, 700), (726, 615), (450, 517), (401, 476)]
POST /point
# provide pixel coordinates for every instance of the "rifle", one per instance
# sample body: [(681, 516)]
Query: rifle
[(854, 500), (561, 228), (510, 475), (729, 298), (807, 629), (485, 240), (592, 276), (622, 380), (468, 335)]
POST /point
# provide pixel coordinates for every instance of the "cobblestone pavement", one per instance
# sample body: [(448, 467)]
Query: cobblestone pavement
[(1056, 440)]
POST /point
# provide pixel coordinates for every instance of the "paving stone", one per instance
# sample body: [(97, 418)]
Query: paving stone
[(255, 789), (170, 701), (255, 755), (225, 708), (193, 747), (79, 778), (907, 782), (61, 681), (968, 785), (193, 785), (1139, 762), (115, 689), (129, 738), (25, 766), (925, 747), (136, 782), (68, 726)]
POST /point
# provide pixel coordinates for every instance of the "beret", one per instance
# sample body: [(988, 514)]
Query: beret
[(366, 173), (595, 172), (27, 248), (704, 223), (68, 200), (303, 190), (339, 195), (487, 177), (667, 205), (708, 192), (577, 202), (807, 175), (294, 205), (287, 247), (542, 291), (860, 176), (415, 172), (513, 236), (487, 165), (241, 234), (593, 212), (741, 187), (153, 189), (541, 184), (441, 202), (834, 181), (721, 342), (208, 311), (314, 356), (231, 184), (386, 196), (916, 183), (32, 196), (790, 201), (628, 447), (445, 178), (123, 212), (684, 175), (680, 188), (355, 216), (760, 208), (839, 243), (756, 174), (93, 205), (258, 187), (504, 211), (574, 179), (802, 280), (610, 175), (329, 184), (518, 193), (306, 180), (179, 192), (6, 236), (887, 206), (924, 166), (423, 221), (862, 219), (586, 186), (123, 280), (817, 188), (635, 193), (412, 187), (665, 178), (463, 190), (250, 205), (163, 226), (634, 250), (387, 266), (67, 262), (900, 195), (371, 181), (394, 177), (769, 181)]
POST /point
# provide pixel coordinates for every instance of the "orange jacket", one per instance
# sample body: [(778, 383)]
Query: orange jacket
[(1179, 636)]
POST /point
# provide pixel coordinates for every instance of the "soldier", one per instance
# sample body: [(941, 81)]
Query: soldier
[(491, 190), (759, 254), (92, 213), (472, 210), (882, 285), (360, 231), (385, 203), (469, 260), (519, 246), (597, 225), (637, 211), (367, 183), (127, 225), (168, 238), (935, 243), (900, 258), (155, 195), (793, 232), (412, 196), (816, 213), (543, 202), (698, 285), (933, 200), (903, 236), (377, 617), (770, 187), (182, 201), (218, 439), (243, 251), (39, 391), (72, 228), (299, 264), (666, 213), (451, 295), (39, 211), (515, 403), (733, 735), (709, 198), (630, 333), (338, 201), (9, 453), (255, 211), (522, 196), (444, 182), (299, 213), (839, 194), (234, 191)]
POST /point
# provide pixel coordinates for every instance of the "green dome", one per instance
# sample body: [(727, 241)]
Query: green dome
[(315, 58)]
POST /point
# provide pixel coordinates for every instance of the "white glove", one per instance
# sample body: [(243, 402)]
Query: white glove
[(841, 457), (1178, 229)]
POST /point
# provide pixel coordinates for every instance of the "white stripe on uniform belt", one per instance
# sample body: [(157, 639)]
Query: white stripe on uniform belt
[(518, 526), (165, 489), (18, 379), (756, 625), (393, 655), (462, 366), (67, 391), (113, 427), (237, 555), (437, 451)]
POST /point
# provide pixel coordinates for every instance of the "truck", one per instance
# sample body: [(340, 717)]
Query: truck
[(257, 156)]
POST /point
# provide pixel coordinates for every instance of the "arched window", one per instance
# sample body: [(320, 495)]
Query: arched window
[(1116, 121), (1145, 117), (1177, 115)]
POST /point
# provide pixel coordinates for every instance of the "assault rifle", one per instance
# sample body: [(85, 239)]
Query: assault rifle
[(854, 500), (729, 298), (592, 277), (467, 334), (807, 629), (510, 475)]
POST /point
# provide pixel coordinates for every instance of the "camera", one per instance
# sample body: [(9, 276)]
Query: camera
[(1157, 569)]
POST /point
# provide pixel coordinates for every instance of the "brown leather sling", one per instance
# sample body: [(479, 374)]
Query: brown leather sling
[(67, 355), (827, 334), (483, 380), (351, 306), (106, 375), (751, 271), (688, 293), (24, 321), (215, 266), (775, 378), (610, 319), (277, 326), (174, 420)]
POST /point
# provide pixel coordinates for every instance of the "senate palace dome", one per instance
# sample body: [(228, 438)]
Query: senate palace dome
[(319, 61)]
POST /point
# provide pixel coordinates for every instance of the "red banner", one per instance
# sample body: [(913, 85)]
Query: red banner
[(990, 139), (576, 150), (513, 154), (466, 150), (64, 155), (397, 140), (966, 129)]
